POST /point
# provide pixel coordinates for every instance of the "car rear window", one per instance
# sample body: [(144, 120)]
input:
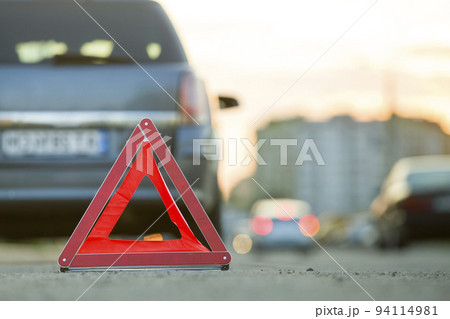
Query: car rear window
[(61, 33), (430, 180)]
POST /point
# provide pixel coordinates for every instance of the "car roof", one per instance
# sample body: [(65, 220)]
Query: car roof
[(417, 164), (280, 208), (424, 163)]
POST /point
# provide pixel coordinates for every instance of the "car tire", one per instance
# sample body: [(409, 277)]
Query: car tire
[(393, 238), (215, 215)]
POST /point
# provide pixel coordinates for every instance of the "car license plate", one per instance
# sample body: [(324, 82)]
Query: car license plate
[(19, 143)]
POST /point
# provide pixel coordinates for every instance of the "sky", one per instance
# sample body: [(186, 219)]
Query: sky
[(319, 58)]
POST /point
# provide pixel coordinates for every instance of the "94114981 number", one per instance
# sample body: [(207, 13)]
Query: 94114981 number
[(406, 311)]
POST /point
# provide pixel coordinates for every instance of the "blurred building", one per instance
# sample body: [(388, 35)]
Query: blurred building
[(357, 155)]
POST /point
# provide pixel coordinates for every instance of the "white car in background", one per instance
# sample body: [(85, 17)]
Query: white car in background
[(279, 223)]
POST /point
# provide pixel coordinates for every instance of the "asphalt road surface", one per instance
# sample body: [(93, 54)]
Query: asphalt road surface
[(28, 271)]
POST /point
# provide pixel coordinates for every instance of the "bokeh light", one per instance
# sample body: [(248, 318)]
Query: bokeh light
[(309, 225), (262, 225), (242, 244)]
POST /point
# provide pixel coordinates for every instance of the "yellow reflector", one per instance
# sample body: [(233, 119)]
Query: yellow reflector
[(154, 237)]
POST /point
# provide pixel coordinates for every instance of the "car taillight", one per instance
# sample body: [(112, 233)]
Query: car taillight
[(193, 100), (262, 225), (416, 204)]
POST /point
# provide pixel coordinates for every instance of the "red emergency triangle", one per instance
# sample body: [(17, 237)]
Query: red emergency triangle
[(89, 245)]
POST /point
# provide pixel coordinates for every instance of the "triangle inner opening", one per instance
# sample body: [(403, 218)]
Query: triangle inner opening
[(145, 219)]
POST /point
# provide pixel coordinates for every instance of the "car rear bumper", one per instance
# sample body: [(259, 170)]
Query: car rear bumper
[(52, 200), (428, 225), (276, 239)]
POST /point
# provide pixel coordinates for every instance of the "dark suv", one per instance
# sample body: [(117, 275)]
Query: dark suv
[(70, 95), (414, 201)]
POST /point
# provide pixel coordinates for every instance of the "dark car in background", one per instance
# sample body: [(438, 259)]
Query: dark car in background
[(70, 97), (414, 202)]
